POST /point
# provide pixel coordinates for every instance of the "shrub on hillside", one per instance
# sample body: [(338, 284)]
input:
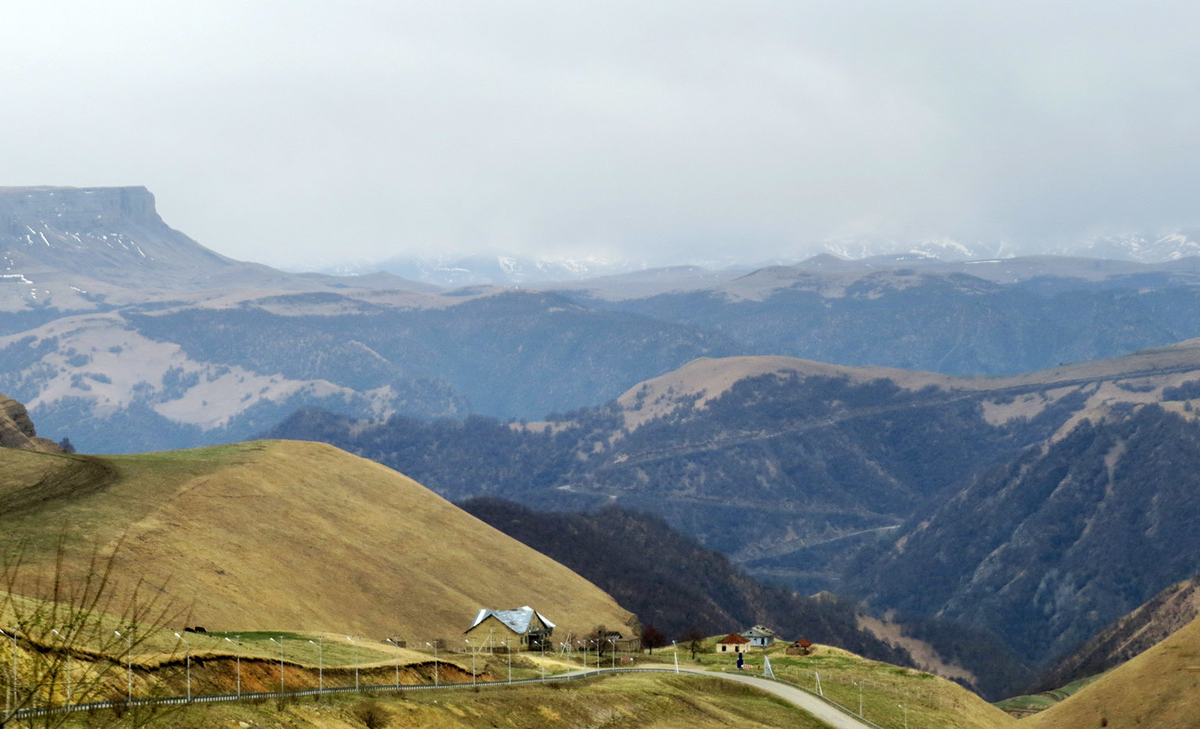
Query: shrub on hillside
[(372, 714)]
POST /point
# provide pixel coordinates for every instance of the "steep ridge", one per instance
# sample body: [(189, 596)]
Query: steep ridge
[(1131, 635), (1159, 688), (288, 536), (111, 235), (1051, 548)]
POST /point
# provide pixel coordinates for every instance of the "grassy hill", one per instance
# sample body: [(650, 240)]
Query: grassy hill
[(286, 536), (932, 702), (1159, 688)]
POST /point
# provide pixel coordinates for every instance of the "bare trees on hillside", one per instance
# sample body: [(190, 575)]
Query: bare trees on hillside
[(70, 637)]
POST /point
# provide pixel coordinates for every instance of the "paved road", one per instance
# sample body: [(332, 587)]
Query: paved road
[(808, 702)]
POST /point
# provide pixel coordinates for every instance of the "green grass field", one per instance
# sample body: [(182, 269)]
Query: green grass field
[(1033, 703)]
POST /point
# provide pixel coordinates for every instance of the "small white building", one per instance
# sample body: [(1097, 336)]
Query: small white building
[(760, 636)]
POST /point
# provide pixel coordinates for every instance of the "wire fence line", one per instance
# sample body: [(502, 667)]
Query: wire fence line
[(259, 695), (382, 688)]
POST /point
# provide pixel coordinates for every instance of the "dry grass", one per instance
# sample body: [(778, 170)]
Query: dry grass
[(933, 702), (291, 536), (652, 701), (1159, 688)]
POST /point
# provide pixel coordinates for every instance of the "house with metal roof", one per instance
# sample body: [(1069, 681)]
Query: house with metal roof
[(520, 629), (760, 636)]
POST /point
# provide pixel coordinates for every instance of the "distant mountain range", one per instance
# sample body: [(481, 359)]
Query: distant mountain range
[(827, 424), (125, 334), (498, 270), (518, 270), (1140, 247)]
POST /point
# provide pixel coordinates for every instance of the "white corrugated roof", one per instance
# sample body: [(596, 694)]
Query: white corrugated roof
[(518, 619)]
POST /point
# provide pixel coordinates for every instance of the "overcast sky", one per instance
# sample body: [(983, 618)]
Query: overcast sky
[(296, 132)]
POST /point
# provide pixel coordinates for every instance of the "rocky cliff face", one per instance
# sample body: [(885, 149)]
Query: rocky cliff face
[(112, 234), (16, 429)]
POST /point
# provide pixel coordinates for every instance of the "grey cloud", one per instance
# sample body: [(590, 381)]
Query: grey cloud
[(315, 130)]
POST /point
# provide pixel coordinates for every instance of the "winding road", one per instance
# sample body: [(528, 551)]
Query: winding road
[(804, 700)]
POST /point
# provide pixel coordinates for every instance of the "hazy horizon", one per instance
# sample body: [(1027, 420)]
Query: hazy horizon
[(304, 134)]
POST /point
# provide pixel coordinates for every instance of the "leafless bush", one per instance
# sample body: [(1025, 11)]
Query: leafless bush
[(62, 629), (372, 714)]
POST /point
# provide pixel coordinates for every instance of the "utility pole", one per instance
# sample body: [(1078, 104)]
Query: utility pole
[(128, 662), (320, 662), (10, 696), (434, 646), (68, 654), (280, 642), (397, 647), (354, 640), (238, 653), (189, 666)]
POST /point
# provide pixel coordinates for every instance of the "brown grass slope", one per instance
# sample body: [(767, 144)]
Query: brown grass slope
[(1160, 688), (290, 536)]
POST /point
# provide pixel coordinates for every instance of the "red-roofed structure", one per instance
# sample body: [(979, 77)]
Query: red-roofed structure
[(733, 643)]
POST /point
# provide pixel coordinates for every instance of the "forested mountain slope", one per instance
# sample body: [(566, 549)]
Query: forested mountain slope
[(1050, 548), (1129, 636), (1038, 507), (673, 583)]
